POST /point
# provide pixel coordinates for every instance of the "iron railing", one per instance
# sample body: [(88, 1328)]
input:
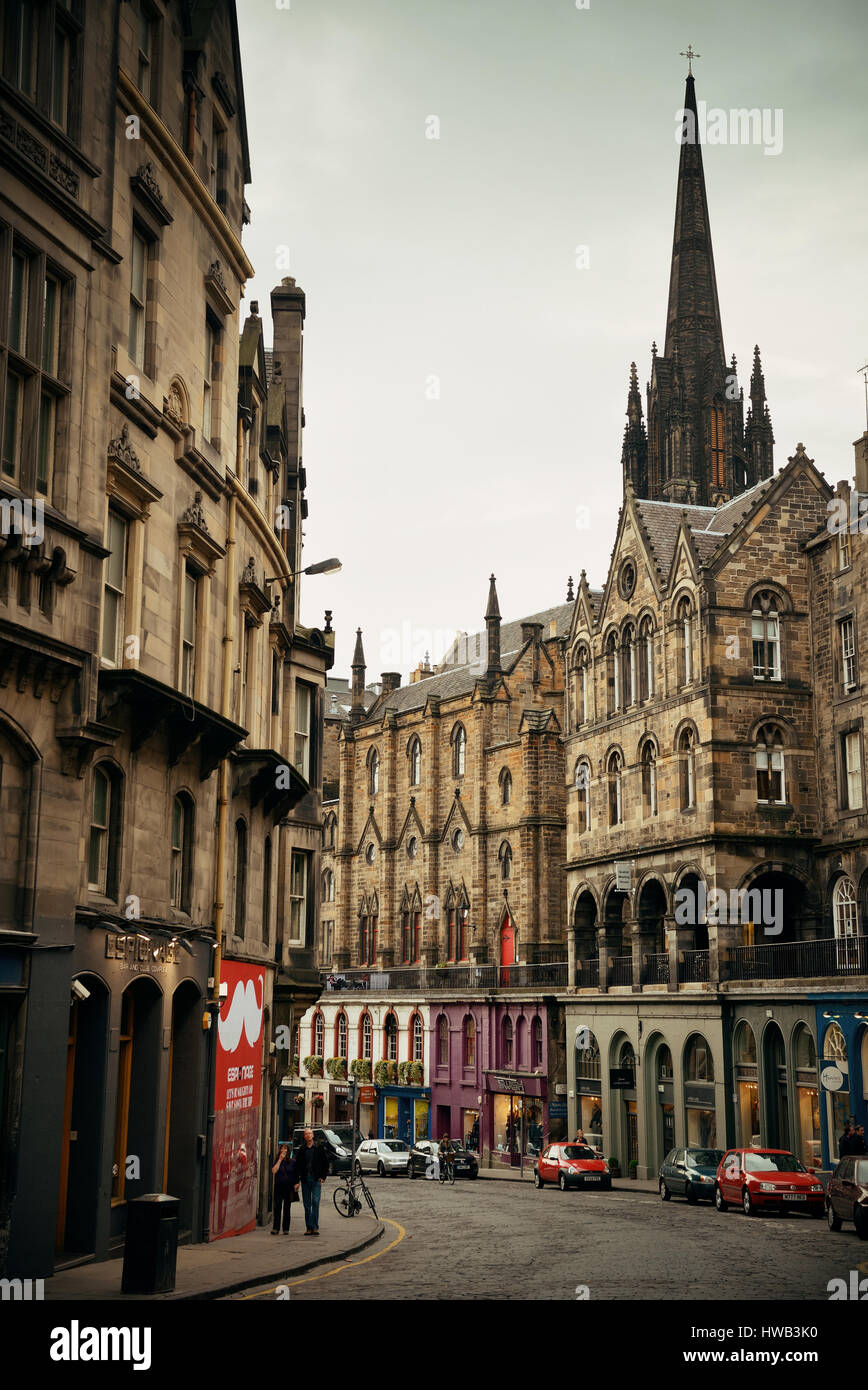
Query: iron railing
[(423, 979), (656, 970), (694, 967), (588, 973), (621, 970), (830, 956)]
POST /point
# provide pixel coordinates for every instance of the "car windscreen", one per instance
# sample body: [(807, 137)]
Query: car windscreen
[(577, 1151), (770, 1162), (861, 1171), (704, 1158), (397, 1146)]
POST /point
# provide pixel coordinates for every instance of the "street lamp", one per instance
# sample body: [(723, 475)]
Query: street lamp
[(331, 566)]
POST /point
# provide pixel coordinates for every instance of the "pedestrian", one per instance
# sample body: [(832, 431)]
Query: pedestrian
[(313, 1166), (857, 1143), (286, 1184), (580, 1137), (846, 1140)]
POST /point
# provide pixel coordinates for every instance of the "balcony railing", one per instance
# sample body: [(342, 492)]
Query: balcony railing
[(801, 960), (621, 970), (422, 979), (588, 973), (656, 971), (694, 967)]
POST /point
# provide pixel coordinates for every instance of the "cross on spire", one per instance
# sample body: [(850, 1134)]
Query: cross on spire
[(689, 55)]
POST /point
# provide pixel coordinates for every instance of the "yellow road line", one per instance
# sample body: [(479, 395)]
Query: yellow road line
[(339, 1269)]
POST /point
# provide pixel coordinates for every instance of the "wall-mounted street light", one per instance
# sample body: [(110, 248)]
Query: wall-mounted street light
[(321, 567)]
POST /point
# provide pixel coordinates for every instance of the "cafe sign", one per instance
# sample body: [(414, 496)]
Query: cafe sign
[(139, 953)]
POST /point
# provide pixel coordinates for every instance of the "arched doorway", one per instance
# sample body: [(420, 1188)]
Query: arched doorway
[(625, 1074), (181, 1165), (809, 1147), (651, 926), (507, 948), (777, 1100), (689, 885), (662, 1070), (589, 1100), (134, 1166), (81, 1139), (835, 1072), (585, 925), (699, 1098), (747, 1117), (617, 950)]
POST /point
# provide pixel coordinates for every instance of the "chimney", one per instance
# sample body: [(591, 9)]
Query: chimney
[(390, 680), (861, 447), (531, 632), (287, 316)]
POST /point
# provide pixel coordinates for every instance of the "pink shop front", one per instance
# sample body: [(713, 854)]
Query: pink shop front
[(515, 1117)]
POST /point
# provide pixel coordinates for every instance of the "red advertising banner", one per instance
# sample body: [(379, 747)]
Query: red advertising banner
[(237, 1096)]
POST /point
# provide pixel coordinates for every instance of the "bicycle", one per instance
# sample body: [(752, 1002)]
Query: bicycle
[(447, 1170), (347, 1193)]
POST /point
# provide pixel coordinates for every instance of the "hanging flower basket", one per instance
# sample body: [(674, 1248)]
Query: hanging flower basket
[(313, 1066), (336, 1068)]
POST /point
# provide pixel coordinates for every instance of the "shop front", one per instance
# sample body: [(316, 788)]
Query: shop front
[(842, 1032), (516, 1106), (403, 1112)]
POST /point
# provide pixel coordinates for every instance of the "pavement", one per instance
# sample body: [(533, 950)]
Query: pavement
[(226, 1266)]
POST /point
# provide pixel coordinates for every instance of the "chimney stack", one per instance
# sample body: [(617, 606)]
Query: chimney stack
[(861, 447), (390, 680)]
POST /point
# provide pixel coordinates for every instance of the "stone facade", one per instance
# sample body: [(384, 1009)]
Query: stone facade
[(161, 700)]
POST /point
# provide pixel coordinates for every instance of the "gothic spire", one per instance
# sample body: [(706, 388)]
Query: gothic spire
[(357, 708), (693, 315), (492, 629)]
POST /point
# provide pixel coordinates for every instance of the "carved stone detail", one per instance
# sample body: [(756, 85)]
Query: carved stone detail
[(194, 515), (122, 451), (64, 175)]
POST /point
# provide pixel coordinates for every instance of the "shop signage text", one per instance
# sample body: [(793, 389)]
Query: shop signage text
[(138, 953), (508, 1085)]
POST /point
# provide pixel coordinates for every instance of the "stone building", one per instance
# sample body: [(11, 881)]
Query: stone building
[(161, 701), (714, 765), (450, 831)]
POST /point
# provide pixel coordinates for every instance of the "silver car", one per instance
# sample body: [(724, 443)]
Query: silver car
[(382, 1156)]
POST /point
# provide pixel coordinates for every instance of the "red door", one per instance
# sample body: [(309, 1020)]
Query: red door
[(507, 949)]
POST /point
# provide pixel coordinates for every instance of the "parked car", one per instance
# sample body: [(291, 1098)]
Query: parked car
[(382, 1156), (847, 1195), (340, 1156), (770, 1179), (424, 1160), (571, 1165), (689, 1173)]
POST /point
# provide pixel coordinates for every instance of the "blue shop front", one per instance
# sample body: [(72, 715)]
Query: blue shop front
[(404, 1112), (842, 1056)]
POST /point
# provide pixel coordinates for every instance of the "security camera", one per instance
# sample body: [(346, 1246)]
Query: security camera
[(79, 990)]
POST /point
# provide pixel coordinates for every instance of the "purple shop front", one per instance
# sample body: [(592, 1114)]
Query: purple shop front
[(489, 1078)]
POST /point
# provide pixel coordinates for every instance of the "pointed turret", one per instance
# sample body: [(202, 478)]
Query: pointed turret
[(357, 709), (492, 629), (634, 451), (759, 438)]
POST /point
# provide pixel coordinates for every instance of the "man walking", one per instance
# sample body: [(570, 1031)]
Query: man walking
[(313, 1166)]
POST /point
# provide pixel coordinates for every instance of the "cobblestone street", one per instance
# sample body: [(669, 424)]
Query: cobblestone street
[(487, 1240)]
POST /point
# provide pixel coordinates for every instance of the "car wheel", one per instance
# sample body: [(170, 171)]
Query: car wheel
[(537, 1181), (833, 1220), (690, 1194), (718, 1199), (860, 1221), (411, 1171), (562, 1183), (747, 1203), (665, 1194), (381, 1170)]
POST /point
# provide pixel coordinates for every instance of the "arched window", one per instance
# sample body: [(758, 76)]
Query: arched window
[(505, 787), (266, 889), (373, 772), (627, 1059), (770, 787), (459, 750), (536, 1040), (649, 779), (844, 909), (629, 665), (343, 1035), (328, 886), (469, 1037), (443, 1041), (766, 638), (182, 850), (583, 709), (391, 1037), (240, 877), (616, 804), (417, 1040), (367, 1036), (646, 659), (664, 1064), (508, 1042), (582, 778), (505, 857), (415, 762), (317, 1037), (588, 1065), (718, 444), (103, 862), (687, 768), (698, 1061), (613, 678), (330, 827), (684, 621)]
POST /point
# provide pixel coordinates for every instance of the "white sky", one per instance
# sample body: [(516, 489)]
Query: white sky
[(456, 259)]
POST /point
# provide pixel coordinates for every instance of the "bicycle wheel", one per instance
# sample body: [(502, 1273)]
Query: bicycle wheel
[(370, 1202), (450, 1174), (344, 1202)]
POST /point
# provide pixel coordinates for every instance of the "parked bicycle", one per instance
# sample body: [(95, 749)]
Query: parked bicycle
[(349, 1193)]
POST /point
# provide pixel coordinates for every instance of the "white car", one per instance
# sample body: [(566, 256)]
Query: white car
[(382, 1156)]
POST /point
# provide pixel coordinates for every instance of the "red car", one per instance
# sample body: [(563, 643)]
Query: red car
[(571, 1165), (773, 1179)]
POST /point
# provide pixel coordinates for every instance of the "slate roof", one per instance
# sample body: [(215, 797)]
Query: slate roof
[(459, 678), (661, 522)]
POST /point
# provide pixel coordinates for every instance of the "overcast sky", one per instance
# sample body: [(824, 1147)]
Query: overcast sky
[(450, 266)]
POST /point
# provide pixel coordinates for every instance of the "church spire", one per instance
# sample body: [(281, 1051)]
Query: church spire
[(357, 709), (634, 451), (693, 314)]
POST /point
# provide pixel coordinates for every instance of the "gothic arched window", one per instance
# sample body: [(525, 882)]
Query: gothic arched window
[(616, 805), (687, 768), (770, 786)]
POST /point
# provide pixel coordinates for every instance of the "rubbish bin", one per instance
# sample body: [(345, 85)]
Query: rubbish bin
[(151, 1245)]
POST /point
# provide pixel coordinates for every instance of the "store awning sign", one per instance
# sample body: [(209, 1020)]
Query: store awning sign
[(832, 1078)]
